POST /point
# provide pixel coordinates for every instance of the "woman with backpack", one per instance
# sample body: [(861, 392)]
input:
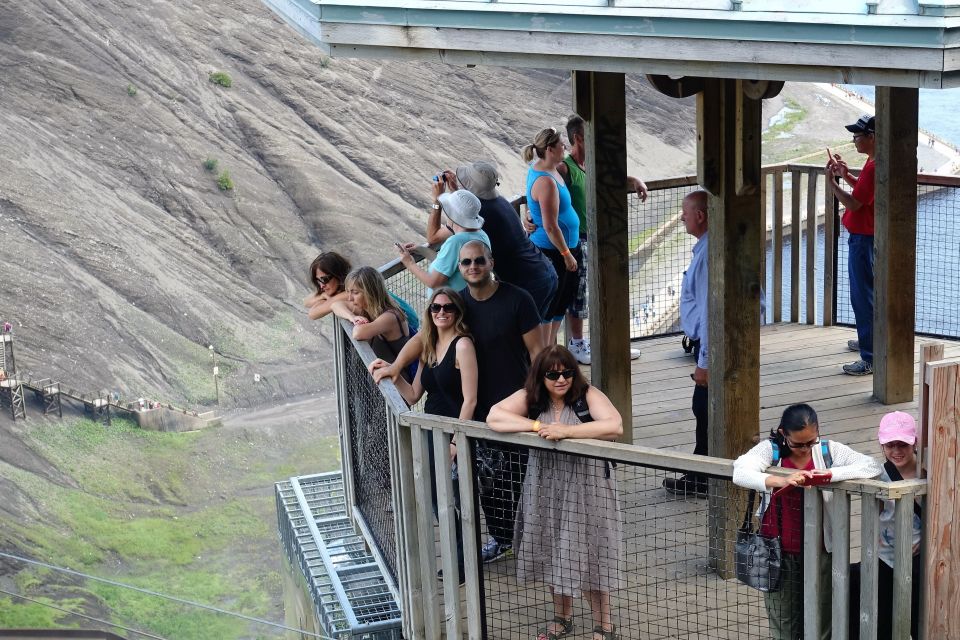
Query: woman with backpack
[(796, 444), (568, 525), (898, 437)]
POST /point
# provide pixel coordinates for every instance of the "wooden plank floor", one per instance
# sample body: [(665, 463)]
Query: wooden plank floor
[(798, 363), (669, 591)]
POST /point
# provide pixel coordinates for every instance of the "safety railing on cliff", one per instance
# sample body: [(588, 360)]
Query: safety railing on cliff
[(665, 566)]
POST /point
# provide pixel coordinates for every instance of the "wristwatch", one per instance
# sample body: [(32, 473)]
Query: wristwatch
[(435, 206)]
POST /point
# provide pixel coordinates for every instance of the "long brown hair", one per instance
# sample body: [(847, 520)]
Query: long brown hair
[(332, 264), (428, 329), (553, 357), (544, 138)]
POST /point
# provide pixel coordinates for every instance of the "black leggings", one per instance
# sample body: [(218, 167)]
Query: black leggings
[(567, 282)]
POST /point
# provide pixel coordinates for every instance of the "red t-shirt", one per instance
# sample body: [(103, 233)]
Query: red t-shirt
[(861, 220), (790, 504)]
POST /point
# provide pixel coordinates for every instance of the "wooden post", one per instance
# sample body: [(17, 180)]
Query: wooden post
[(777, 246), (840, 570), (813, 621), (811, 247), (941, 615), (895, 244), (602, 104), (829, 255), (795, 283), (869, 569), (929, 353), (735, 245)]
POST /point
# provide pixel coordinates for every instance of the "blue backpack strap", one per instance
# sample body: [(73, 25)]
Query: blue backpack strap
[(776, 451), (827, 456), (413, 321)]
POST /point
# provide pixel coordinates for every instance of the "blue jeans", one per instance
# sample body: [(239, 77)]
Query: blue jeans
[(860, 269)]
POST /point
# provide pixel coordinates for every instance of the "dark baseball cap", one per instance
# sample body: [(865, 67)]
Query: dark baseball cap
[(863, 125)]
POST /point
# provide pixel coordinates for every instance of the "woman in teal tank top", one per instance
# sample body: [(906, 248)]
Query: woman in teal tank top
[(558, 227)]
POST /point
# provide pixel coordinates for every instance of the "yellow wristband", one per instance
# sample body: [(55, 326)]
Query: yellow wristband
[(536, 426)]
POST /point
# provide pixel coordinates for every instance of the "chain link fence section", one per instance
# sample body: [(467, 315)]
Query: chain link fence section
[(370, 454), (647, 552), (659, 248), (938, 264)]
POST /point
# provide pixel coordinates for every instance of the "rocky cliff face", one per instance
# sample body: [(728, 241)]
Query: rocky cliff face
[(123, 260)]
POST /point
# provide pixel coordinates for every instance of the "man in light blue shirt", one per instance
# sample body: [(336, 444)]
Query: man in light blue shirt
[(694, 322)]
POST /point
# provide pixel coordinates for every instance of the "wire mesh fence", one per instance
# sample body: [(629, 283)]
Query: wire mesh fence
[(938, 264), (370, 456), (626, 554)]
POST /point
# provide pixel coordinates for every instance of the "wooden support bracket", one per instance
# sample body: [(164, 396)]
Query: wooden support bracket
[(682, 87)]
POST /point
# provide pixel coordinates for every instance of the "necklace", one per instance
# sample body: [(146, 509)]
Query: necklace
[(557, 409)]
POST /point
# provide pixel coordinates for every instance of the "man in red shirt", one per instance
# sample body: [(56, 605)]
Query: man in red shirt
[(858, 220)]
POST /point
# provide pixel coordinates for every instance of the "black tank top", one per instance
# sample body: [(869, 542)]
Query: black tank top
[(442, 384)]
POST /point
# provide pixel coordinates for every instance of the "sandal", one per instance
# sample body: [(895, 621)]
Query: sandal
[(604, 634), (566, 629)]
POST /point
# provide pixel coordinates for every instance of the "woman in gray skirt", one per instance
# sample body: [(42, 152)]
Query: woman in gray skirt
[(569, 530)]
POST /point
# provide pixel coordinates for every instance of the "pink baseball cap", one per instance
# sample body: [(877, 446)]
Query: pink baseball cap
[(897, 426)]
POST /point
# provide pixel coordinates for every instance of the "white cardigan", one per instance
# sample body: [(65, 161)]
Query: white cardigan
[(749, 472)]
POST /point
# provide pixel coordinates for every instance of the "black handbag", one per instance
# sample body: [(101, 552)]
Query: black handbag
[(758, 558)]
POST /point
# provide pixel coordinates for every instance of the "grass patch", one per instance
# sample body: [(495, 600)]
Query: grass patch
[(131, 90), (221, 78), (793, 114), (210, 164), (20, 614), (224, 182)]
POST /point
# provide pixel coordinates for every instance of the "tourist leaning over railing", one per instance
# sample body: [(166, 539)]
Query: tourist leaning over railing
[(796, 444), (447, 374), (328, 274), (897, 435), (568, 532), (374, 313)]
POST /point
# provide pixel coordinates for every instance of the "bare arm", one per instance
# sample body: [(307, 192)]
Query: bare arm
[(639, 187), (411, 392), (342, 309), (533, 340), (432, 279), (386, 324), (324, 307), (510, 414), (411, 351), (467, 363), (545, 193), (606, 425)]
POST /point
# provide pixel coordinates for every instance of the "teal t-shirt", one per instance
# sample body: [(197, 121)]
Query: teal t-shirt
[(447, 261)]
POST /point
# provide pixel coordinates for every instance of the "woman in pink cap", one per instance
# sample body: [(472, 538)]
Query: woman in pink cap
[(897, 435)]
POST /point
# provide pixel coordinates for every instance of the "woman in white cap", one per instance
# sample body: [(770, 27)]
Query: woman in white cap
[(462, 209), (898, 437)]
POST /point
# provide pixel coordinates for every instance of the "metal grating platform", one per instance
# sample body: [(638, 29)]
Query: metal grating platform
[(350, 595)]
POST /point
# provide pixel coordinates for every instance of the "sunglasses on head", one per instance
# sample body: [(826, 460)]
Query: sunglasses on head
[(479, 261), (555, 375), (436, 307), (323, 280)]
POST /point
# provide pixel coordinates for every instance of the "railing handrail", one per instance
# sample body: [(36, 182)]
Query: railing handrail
[(640, 455)]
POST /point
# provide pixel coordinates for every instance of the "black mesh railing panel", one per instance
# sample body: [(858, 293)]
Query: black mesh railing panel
[(647, 555), (370, 453), (659, 249), (938, 264)]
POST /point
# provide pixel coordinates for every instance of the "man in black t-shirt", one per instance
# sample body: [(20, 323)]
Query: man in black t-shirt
[(505, 325)]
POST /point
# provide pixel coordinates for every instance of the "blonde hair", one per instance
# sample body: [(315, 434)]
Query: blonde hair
[(374, 288), (428, 330), (545, 138)]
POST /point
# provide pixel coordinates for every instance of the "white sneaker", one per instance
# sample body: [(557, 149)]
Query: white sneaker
[(580, 351)]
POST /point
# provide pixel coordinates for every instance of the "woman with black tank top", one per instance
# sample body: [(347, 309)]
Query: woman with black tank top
[(375, 315)]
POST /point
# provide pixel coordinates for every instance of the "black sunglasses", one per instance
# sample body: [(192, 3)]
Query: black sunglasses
[(436, 307), (555, 375), (479, 261), (323, 280)]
